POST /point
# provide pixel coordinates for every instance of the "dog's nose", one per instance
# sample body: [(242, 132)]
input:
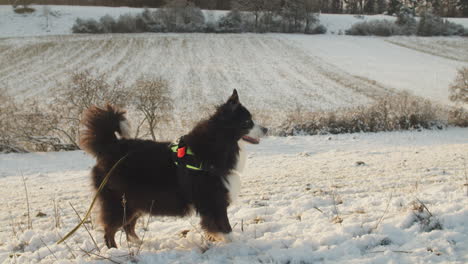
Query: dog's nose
[(264, 130)]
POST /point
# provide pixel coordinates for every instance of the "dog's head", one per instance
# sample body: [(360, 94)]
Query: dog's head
[(238, 120)]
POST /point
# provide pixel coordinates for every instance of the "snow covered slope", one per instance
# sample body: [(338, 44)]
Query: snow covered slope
[(303, 200), (292, 71), (311, 72)]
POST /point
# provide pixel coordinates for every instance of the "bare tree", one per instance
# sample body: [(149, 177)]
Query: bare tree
[(271, 9), (294, 14), (152, 98), (459, 88), (311, 7), (256, 7), (82, 90)]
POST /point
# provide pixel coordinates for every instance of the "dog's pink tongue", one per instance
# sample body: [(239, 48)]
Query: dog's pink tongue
[(251, 139)]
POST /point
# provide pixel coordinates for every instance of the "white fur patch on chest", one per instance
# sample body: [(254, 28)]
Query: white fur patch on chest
[(233, 180)]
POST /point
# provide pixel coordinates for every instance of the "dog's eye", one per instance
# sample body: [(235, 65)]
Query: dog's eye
[(247, 123)]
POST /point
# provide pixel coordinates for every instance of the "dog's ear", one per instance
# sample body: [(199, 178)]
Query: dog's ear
[(234, 99)]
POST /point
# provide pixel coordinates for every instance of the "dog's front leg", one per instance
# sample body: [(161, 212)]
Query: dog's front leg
[(217, 225)]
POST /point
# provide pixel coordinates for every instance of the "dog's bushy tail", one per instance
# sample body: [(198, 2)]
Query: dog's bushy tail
[(99, 127)]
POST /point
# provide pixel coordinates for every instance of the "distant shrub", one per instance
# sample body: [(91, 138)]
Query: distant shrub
[(126, 24), (432, 25), (374, 27), (180, 17), (107, 24), (406, 21), (319, 29), (230, 23), (405, 17), (399, 112), (458, 117), (90, 26), (428, 25), (184, 16), (459, 88), (24, 10)]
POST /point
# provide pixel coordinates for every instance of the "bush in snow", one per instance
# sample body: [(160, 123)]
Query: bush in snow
[(459, 88), (230, 23), (406, 24), (26, 126), (108, 24), (426, 220), (432, 25), (126, 24), (374, 27), (458, 117), (319, 29), (398, 112), (406, 21), (87, 26), (184, 16), (181, 16), (24, 10)]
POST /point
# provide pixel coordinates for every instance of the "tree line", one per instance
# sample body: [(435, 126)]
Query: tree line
[(446, 8)]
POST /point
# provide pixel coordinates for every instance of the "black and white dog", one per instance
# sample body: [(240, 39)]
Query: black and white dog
[(151, 180)]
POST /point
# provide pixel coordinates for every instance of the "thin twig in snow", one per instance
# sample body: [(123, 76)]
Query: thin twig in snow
[(48, 249), (27, 201), (385, 212), (466, 176), (89, 253), (87, 230), (146, 228), (68, 247)]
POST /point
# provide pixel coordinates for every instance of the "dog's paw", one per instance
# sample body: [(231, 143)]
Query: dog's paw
[(219, 237), (135, 240)]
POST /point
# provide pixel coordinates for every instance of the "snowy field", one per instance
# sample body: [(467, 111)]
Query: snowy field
[(315, 72), (292, 70), (303, 200), (397, 197)]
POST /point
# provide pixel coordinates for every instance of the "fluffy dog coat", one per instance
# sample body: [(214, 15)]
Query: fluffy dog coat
[(148, 181)]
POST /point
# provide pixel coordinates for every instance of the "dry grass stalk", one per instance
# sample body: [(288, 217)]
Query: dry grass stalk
[(466, 176), (385, 212), (337, 219), (101, 257), (49, 249), (27, 202), (56, 214), (146, 228), (68, 247), (87, 230)]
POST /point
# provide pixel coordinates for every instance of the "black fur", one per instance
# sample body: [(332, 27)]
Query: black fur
[(148, 176)]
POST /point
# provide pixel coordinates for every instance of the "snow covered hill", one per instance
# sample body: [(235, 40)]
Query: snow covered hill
[(294, 71), (323, 199)]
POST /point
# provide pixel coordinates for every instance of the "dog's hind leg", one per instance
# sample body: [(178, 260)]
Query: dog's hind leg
[(130, 229), (113, 216), (109, 236)]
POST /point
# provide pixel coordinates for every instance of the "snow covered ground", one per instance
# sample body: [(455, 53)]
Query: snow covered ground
[(303, 200)]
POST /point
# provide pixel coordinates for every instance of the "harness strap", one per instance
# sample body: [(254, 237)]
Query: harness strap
[(182, 155)]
